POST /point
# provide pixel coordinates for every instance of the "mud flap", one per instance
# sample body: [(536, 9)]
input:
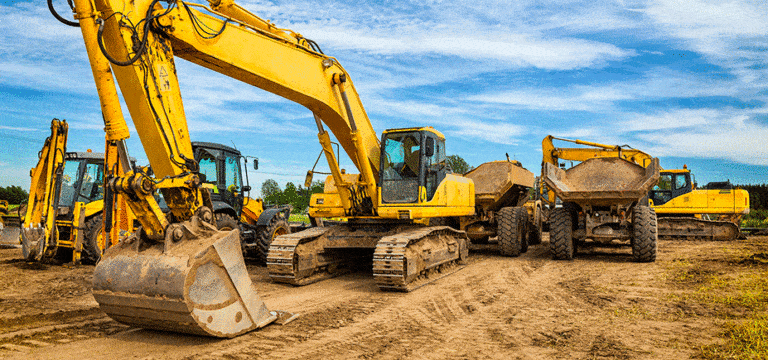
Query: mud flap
[(198, 286)]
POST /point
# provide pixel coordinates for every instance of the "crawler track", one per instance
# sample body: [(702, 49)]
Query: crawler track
[(672, 228), (407, 261)]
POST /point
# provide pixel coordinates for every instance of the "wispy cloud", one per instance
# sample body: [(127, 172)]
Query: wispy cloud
[(16, 128)]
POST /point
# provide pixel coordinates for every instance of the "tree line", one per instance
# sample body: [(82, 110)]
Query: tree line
[(758, 195), (296, 196), (13, 194)]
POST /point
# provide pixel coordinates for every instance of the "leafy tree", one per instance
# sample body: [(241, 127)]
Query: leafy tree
[(457, 164), (298, 197), (13, 194), (269, 188)]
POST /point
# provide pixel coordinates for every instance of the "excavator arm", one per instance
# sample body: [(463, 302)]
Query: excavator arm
[(177, 272)]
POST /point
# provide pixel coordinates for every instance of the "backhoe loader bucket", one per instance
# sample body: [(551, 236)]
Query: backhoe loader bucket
[(10, 227), (197, 285), (9, 235)]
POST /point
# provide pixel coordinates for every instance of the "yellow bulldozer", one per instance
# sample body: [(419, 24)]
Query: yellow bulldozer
[(179, 272)]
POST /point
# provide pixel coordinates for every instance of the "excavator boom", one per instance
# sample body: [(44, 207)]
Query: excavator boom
[(182, 274)]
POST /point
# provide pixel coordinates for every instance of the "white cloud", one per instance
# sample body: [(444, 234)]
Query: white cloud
[(496, 132), (658, 83), (16, 128)]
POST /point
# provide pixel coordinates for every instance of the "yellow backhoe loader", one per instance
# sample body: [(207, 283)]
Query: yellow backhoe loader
[(221, 173), (179, 272), (680, 206), (63, 217), (602, 197)]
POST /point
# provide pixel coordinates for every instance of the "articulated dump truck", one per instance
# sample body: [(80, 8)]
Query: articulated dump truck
[(502, 209), (602, 202)]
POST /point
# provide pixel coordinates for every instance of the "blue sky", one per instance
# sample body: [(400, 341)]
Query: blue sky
[(686, 81)]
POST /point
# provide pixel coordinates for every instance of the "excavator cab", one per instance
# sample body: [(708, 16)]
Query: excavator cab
[(672, 183), (412, 163)]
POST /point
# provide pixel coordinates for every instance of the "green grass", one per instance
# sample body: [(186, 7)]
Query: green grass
[(745, 340), (299, 218), (736, 292)]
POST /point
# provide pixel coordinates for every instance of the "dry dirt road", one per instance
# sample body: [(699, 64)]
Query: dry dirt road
[(601, 305)]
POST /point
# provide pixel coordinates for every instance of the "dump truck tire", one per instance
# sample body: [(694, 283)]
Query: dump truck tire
[(91, 251), (265, 234), (512, 230), (561, 234), (644, 234)]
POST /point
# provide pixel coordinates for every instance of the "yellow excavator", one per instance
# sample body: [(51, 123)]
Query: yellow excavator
[(63, 217), (680, 206), (179, 272)]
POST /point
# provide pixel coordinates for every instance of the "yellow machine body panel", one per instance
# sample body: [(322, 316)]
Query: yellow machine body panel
[(453, 197), (93, 208), (726, 201), (252, 209), (676, 195)]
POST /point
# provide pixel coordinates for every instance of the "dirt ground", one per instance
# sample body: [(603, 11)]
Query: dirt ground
[(601, 305)]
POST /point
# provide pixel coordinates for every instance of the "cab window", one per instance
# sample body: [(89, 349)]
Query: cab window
[(91, 188), (400, 167), (681, 181), (207, 165), (232, 174), (68, 181), (665, 182), (435, 166)]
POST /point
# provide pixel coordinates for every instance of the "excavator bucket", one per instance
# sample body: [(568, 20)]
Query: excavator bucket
[(198, 285)]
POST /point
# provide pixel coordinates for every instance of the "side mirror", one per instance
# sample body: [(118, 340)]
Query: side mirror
[(308, 179), (429, 147), (255, 164), (246, 188)]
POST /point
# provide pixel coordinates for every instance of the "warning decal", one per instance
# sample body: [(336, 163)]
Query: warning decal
[(163, 79)]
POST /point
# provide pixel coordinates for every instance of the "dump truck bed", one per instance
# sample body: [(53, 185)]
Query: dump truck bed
[(498, 183), (602, 181)]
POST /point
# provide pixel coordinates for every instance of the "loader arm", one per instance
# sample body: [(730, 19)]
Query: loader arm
[(285, 64)]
